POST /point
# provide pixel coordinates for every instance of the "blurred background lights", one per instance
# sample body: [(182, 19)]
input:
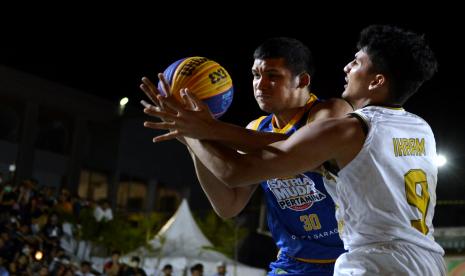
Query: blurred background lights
[(38, 256), (123, 101), (441, 160)]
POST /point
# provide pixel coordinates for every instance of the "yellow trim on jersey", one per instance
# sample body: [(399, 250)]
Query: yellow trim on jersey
[(394, 108), (313, 98), (314, 261), (255, 124)]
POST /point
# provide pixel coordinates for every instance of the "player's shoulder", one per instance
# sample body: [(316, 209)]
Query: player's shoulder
[(333, 107)]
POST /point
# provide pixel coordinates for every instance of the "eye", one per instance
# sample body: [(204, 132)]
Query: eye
[(255, 75), (273, 76)]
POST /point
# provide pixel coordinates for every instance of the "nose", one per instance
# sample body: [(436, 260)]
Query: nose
[(347, 68), (261, 83)]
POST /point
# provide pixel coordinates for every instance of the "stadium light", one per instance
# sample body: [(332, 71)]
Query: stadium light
[(123, 101), (441, 160), (38, 255), (122, 105)]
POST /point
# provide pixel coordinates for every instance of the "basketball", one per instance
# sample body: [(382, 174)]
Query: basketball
[(204, 78)]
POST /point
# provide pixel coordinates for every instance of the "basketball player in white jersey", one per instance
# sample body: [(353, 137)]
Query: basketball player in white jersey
[(386, 178)]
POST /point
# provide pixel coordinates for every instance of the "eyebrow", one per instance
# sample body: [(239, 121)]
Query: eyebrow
[(267, 70), (272, 70)]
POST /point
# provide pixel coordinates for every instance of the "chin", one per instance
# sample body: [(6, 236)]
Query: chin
[(266, 109), (263, 106), (344, 94)]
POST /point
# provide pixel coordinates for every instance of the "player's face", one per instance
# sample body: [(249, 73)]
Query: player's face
[(275, 89), (358, 77)]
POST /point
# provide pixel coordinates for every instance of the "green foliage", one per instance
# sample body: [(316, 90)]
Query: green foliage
[(122, 233), (221, 232), (127, 233)]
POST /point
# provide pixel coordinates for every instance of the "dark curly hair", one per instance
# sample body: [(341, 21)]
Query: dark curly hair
[(298, 57), (403, 56)]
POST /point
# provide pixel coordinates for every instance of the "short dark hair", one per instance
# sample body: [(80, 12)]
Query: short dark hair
[(403, 56), (197, 267), (86, 263), (116, 251), (168, 266), (297, 55)]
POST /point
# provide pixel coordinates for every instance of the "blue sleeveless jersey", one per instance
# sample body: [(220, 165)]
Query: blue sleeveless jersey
[(301, 214)]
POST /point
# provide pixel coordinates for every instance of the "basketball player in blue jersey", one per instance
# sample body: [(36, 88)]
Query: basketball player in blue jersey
[(385, 186), (300, 211)]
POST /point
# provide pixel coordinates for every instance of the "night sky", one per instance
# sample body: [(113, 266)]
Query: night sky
[(108, 58)]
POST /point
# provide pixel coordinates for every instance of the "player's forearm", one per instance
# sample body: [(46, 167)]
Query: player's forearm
[(233, 169), (305, 150), (217, 159), (223, 199), (240, 138)]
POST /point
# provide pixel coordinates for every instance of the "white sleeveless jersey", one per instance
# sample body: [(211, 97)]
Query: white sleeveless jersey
[(388, 191)]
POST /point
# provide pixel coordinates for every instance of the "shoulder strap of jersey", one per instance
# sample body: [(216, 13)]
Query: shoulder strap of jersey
[(362, 118), (310, 104), (258, 123)]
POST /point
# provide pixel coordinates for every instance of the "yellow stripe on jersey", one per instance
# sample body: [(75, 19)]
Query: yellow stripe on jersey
[(255, 124), (315, 261), (296, 118), (392, 107)]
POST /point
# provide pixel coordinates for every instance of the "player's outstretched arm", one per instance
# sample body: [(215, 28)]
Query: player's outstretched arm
[(339, 139)]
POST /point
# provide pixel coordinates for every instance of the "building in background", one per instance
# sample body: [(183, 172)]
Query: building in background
[(65, 138)]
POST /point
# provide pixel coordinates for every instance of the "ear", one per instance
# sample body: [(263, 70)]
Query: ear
[(303, 80), (377, 82)]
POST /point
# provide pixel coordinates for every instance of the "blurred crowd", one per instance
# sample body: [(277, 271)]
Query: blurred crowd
[(31, 229), (34, 227)]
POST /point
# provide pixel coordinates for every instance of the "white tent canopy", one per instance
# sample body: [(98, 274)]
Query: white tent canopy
[(181, 243)]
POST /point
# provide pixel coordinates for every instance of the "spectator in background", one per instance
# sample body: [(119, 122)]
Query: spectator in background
[(85, 269), (197, 270), (167, 270), (8, 197), (113, 267), (26, 191), (133, 269), (220, 269), (49, 196), (64, 205), (52, 232), (103, 211), (43, 271)]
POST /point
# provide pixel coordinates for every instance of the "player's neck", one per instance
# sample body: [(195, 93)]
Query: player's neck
[(282, 118)]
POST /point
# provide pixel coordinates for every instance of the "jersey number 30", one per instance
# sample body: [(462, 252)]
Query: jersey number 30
[(311, 222), (416, 189)]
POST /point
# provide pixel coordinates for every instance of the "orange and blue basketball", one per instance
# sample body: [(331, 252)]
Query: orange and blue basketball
[(205, 78)]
